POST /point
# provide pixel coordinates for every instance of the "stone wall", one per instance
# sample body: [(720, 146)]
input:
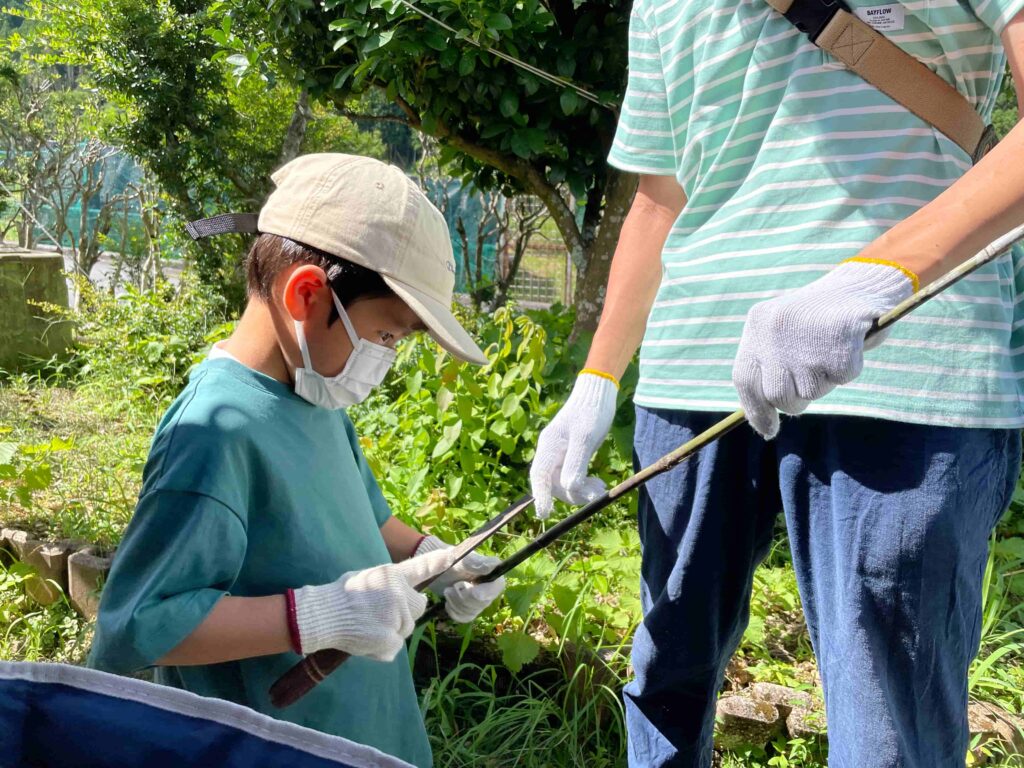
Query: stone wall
[(26, 330)]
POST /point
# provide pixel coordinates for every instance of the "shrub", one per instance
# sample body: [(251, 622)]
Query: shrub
[(451, 446)]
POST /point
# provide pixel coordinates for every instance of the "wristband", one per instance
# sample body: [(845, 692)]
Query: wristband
[(912, 276), (416, 546), (293, 622), (603, 375)]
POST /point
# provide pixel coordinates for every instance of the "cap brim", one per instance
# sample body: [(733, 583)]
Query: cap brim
[(440, 322)]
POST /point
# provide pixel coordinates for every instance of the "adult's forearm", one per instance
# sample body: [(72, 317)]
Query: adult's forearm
[(984, 204), (236, 628), (635, 274)]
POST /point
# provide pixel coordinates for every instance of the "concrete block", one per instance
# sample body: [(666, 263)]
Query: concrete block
[(995, 726), (785, 699), (806, 724), (50, 561), (7, 555), (87, 572), (742, 722), (27, 330)]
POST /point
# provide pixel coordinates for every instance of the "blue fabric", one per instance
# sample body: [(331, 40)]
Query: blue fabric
[(888, 526), (57, 715)]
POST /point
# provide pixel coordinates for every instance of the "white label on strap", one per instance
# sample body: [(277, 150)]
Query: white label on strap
[(884, 18)]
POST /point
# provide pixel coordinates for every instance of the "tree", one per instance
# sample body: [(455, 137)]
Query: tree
[(522, 219), (52, 164), (208, 138), (499, 127)]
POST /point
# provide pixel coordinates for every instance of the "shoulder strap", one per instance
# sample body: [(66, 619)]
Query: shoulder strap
[(832, 27)]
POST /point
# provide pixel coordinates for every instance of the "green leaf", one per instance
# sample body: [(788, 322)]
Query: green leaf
[(522, 596), (414, 383), (467, 63), (494, 386), (491, 130), (342, 24), (464, 405), (1010, 549), (521, 145), (509, 103), (498, 22), (377, 41), (344, 75), (467, 460), (448, 58), (448, 438), (536, 139), (416, 481), (445, 397), (436, 39), (566, 62), (509, 405), (565, 597), (7, 451), (517, 649), (568, 101), (608, 541), (453, 484)]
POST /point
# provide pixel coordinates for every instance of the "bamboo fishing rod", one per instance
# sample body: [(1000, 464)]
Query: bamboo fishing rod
[(308, 673)]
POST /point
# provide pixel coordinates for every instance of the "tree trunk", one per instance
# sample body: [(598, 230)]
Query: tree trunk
[(296, 132), (505, 283), (598, 248)]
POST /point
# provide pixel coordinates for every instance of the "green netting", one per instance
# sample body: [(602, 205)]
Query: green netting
[(465, 204)]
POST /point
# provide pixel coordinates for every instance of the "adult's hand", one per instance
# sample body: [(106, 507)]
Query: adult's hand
[(798, 347)]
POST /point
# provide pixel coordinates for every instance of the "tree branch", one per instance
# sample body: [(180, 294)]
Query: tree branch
[(513, 167), (387, 118)]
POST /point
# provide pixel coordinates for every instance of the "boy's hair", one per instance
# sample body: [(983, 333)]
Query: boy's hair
[(270, 254)]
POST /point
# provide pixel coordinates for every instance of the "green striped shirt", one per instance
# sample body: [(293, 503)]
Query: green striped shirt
[(790, 164)]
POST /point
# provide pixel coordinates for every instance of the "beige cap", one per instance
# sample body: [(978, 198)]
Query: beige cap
[(372, 214)]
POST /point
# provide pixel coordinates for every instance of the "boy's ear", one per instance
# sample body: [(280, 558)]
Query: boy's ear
[(303, 288)]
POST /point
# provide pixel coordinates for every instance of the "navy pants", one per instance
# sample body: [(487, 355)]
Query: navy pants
[(888, 526)]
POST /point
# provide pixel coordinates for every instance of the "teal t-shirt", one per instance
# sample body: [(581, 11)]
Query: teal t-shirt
[(250, 490)]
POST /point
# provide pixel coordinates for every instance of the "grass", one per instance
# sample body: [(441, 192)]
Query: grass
[(474, 719), (30, 632), (92, 457)]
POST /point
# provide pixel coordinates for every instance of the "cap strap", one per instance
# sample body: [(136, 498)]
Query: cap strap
[(225, 223)]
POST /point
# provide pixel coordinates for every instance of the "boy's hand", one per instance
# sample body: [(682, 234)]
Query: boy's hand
[(798, 347), (462, 600), (369, 612), (567, 444)]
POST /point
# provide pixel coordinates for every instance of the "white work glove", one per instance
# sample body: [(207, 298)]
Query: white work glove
[(369, 612), (463, 601), (567, 444), (798, 347)]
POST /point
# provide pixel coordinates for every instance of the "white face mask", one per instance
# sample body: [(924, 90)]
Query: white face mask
[(366, 368)]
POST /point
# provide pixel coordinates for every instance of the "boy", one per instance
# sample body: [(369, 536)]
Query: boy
[(260, 532)]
